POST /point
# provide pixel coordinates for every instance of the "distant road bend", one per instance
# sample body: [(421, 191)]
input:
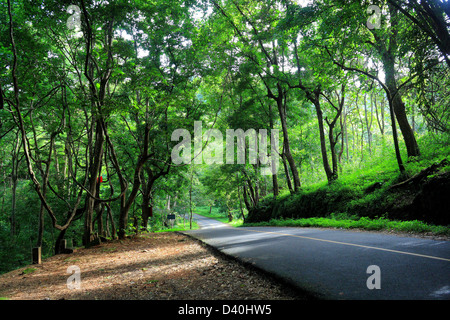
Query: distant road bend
[(336, 264)]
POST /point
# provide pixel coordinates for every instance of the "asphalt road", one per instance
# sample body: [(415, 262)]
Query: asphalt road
[(339, 264)]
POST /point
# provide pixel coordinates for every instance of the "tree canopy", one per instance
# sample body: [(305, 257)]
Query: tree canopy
[(91, 93)]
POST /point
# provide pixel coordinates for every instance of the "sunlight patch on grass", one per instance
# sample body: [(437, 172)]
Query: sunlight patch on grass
[(219, 216)]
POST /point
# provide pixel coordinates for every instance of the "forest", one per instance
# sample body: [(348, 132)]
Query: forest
[(92, 91)]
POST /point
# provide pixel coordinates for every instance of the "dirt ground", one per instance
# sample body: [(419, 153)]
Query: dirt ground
[(159, 266)]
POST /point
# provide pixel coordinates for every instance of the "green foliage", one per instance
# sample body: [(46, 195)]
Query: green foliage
[(29, 270), (361, 193), (164, 68)]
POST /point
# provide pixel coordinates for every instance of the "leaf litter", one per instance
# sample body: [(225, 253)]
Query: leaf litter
[(153, 266)]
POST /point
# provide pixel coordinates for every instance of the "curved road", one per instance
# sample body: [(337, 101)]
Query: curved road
[(335, 264)]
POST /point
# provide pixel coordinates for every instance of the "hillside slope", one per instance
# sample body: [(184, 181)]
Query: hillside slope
[(423, 196)]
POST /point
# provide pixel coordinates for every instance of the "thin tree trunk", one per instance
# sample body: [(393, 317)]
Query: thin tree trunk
[(323, 147), (379, 115), (239, 195), (14, 179), (398, 106), (287, 149), (93, 181), (190, 197), (245, 196), (388, 60), (274, 154), (368, 123), (111, 219), (286, 171)]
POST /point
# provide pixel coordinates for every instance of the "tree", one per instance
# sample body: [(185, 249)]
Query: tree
[(16, 106), (383, 42), (264, 54), (430, 16)]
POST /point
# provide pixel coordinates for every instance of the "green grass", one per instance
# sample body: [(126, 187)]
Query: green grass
[(364, 223), (29, 270), (236, 223), (179, 226)]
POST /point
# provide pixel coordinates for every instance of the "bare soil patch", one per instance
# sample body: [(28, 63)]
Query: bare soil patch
[(155, 266)]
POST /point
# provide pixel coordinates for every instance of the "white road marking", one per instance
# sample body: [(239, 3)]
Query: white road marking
[(351, 244), (339, 242)]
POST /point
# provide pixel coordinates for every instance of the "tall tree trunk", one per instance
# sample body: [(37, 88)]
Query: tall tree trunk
[(190, 197), (13, 205), (147, 209), (398, 106), (111, 219), (94, 174), (245, 196), (99, 219), (274, 154), (125, 208), (146, 212), (14, 178), (343, 123), (287, 150), (394, 135), (127, 202), (368, 123), (334, 157), (323, 146), (286, 171), (147, 205), (97, 94), (239, 195), (379, 115), (388, 54), (59, 240)]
